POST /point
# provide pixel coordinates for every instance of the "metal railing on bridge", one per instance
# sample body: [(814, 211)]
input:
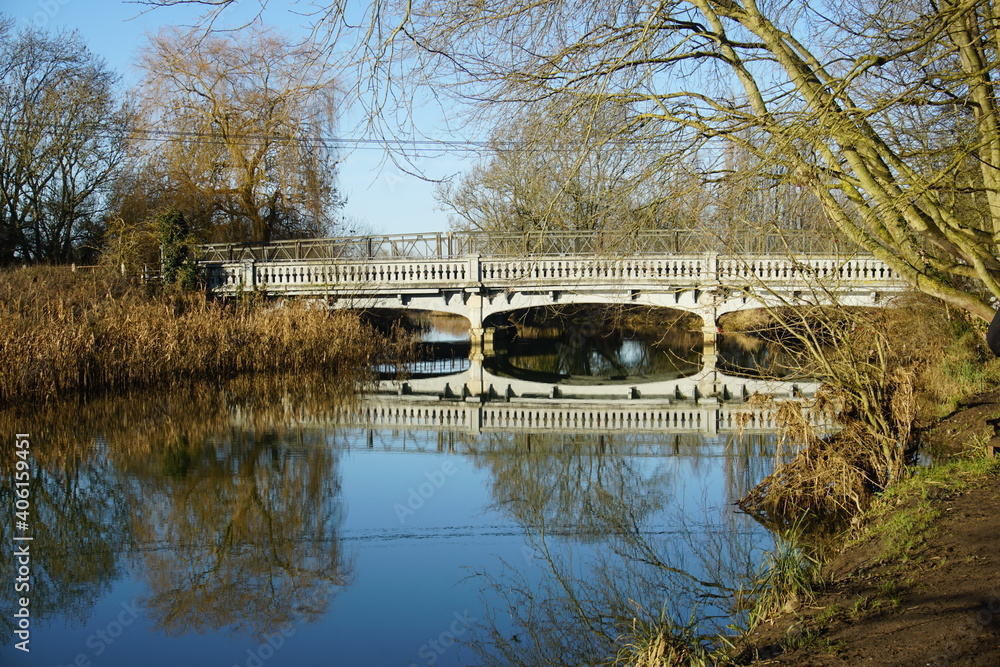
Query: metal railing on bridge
[(447, 245)]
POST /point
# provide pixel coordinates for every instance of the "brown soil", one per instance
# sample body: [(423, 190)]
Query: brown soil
[(939, 604)]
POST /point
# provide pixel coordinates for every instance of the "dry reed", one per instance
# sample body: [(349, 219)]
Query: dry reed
[(64, 334), (870, 363)]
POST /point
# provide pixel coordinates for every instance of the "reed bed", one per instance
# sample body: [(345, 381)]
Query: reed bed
[(66, 334)]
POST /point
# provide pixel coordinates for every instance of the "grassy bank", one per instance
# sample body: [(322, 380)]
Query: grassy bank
[(891, 377), (65, 334), (949, 414), (919, 559), (913, 582)]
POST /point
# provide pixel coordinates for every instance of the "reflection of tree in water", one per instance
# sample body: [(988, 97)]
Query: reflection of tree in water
[(249, 523), (587, 357), (752, 356), (565, 483), (242, 534), (577, 483), (608, 547), (79, 521)]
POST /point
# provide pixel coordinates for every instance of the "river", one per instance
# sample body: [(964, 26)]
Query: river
[(285, 523)]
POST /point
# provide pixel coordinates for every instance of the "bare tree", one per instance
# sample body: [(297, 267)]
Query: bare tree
[(548, 173), (828, 104), (753, 207), (554, 169), (885, 110), (63, 134), (239, 133)]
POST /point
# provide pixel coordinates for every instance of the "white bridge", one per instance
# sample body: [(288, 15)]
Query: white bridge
[(478, 276)]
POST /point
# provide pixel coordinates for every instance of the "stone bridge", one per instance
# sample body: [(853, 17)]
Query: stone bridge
[(480, 276), (449, 273)]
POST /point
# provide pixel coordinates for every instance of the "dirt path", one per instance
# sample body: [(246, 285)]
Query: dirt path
[(936, 602)]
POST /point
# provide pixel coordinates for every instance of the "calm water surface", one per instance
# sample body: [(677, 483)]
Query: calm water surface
[(272, 525)]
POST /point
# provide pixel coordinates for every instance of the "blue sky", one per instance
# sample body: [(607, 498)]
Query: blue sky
[(381, 197)]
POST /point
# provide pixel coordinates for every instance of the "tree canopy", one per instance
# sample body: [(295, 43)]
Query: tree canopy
[(238, 133), (63, 134)]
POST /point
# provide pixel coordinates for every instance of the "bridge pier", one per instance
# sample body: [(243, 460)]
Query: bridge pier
[(709, 334), (480, 343), (474, 383), (480, 347), (708, 384)]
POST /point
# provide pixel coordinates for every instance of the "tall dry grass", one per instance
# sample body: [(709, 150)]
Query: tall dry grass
[(887, 374), (64, 334)]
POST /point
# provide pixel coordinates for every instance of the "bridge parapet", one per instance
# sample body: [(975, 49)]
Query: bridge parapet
[(810, 269), (290, 277)]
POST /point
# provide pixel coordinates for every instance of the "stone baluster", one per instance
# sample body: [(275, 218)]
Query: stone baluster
[(249, 275)]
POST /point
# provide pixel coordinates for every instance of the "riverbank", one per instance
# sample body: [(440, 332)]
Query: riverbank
[(66, 335), (919, 582)]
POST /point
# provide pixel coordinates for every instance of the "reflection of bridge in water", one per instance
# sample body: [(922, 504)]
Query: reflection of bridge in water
[(574, 417), (556, 417), (481, 277), (477, 383)]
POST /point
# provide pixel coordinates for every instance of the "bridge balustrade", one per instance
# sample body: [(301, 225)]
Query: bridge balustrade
[(286, 277), (705, 270), (806, 270)]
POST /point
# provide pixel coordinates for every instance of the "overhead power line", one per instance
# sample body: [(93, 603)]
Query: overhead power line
[(215, 137), (454, 146)]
